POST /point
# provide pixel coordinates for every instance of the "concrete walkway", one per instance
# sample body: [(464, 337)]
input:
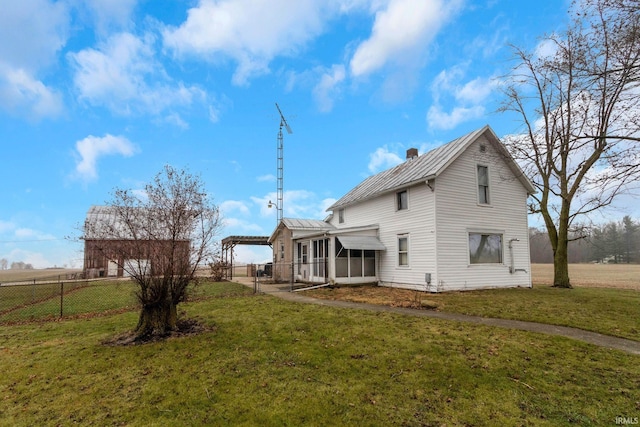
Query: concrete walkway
[(607, 341)]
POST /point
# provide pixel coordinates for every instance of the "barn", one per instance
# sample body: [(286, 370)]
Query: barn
[(113, 249)]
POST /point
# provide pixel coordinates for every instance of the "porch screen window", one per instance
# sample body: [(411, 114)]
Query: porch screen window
[(485, 248), (402, 201), (354, 262), (483, 185), (403, 250), (342, 260), (369, 263)]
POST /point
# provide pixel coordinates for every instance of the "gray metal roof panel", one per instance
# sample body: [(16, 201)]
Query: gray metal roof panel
[(306, 224), (425, 166), (362, 242)]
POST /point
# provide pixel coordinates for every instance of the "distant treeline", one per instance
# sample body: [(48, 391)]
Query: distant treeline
[(19, 265), (614, 242)]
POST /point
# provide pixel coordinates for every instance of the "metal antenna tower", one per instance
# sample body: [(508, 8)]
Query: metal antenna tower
[(283, 123)]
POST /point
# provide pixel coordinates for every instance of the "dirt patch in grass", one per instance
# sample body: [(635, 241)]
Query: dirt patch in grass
[(379, 295), (185, 327)]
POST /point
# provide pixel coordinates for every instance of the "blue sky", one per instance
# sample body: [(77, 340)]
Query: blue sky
[(98, 94)]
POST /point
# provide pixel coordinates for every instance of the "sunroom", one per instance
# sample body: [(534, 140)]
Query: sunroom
[(337, 258)]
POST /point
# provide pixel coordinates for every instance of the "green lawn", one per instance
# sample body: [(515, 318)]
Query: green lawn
[(267, 361), (609, 311), (37, 302)]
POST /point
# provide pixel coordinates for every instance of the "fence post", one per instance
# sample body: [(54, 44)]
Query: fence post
[(61, 297), (292, 272)]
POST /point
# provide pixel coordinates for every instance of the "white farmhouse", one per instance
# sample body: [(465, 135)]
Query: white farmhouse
[(454, 218)]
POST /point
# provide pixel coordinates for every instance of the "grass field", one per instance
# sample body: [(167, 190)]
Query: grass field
[(38, 274), (266, 361), (623, 276), (270, 362)]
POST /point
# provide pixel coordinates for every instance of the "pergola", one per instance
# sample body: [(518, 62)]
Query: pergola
[(228, 243)]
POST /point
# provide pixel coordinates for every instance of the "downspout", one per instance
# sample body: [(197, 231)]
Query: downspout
[(512, 268)]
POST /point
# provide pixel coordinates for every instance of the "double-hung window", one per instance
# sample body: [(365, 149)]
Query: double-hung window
[(341, 216), (402, 200), (483, 185), (403, 250)]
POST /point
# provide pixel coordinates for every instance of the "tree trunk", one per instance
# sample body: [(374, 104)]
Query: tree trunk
[(561, 259), (157, 319), (561, 267)]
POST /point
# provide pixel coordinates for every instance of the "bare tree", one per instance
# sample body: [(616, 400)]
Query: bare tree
[(578, 97), (3, 264), (159, 237)]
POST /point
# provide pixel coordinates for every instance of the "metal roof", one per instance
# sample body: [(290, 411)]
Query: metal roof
[(245, 240), (424, 167), (127, 223), (307, 224), (299, 224), (362, 242)]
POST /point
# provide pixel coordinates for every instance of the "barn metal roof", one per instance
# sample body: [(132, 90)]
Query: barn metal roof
[(108, 222), (422, 168)]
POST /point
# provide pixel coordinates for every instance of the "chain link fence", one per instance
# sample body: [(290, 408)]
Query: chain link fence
[(53, 298), (60, 296)]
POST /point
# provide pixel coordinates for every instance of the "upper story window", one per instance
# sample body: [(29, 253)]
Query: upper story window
[(402, 200), (341, 216), (483, 185)]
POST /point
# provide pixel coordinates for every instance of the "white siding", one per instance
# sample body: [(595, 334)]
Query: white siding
[(416, 221), (458, 213), (438, 222)]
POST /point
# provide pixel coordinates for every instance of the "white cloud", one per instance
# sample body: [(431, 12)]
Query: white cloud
[(438, 119), (296, 204), (328, 88), (476, 90), (229, 206), (326, 203), (33, 32), (250, 32), (465, 100), (240, 226), (402, 30), (107, 14), (23, 233), (382, 159), (36, 259), (252, 254), (92, 148), (547, 48), (6, 226), (266, 178), (21, 93), (118, 75), (176, 120)]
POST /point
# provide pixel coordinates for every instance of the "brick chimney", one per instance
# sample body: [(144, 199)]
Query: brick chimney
[(412, 153)]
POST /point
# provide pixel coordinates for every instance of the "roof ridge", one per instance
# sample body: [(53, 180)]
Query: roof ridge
[(409, 171)]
